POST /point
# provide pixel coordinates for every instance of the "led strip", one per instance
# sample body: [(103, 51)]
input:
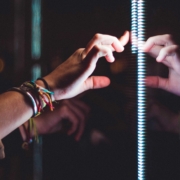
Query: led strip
[(138, 37)]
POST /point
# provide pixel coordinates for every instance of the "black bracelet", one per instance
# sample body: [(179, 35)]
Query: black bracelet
[(46, 86), (45, 83)]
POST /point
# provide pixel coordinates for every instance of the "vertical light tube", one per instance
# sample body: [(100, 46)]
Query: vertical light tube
[(138, 38), (35, 73), (36, 29), (134, 25)]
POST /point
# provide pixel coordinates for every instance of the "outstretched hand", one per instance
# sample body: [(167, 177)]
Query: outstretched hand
[(165, 51), (73, 76)]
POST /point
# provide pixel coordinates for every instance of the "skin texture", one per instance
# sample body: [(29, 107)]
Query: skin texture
[(66, 81)]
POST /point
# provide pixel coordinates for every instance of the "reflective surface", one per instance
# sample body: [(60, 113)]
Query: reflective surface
[(107, 149)]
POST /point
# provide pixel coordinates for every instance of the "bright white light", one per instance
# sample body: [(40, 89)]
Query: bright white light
[(138, 37)]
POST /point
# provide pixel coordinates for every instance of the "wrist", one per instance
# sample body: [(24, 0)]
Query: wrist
[(43, 82)]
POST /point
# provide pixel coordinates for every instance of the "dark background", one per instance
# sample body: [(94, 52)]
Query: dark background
[(66, 26)]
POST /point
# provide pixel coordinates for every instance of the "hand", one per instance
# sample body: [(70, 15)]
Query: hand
[(73, 76), (165, 51), (161, 118), (74, 111)]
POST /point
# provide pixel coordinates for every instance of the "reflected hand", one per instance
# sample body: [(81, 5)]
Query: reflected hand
[(162, 119), (165, 51), (69, 117), (74, 111)]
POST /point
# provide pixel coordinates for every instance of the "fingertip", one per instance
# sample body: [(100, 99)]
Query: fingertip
[(158, 59), (121, 49), (146, 81), (118, 46), (145, 48), (110, 59), (77, 138), (70, 132), (124, 38), (100, 82), (105, 81)]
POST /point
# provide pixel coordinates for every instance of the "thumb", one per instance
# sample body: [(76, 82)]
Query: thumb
[(95, 82), (156, 82)]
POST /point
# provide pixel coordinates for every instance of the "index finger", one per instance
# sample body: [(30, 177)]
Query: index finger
[(124, 38), (161, 40), (114, 43)]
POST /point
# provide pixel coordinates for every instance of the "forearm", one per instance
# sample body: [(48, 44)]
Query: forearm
[(15, 109)]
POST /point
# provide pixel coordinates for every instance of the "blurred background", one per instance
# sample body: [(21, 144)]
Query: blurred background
[(38, 35)]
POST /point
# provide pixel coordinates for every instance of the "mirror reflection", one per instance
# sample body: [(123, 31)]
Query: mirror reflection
[(92, 136)]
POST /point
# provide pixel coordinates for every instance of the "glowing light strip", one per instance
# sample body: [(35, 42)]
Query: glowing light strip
[(36, 72), (134, 26), (36, 29), (138, 37)]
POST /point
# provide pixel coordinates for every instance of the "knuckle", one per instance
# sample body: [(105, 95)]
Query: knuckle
[(90, 83), (168, 36), (164, 51), (79, 51), (96, 47), (177, 47), (114, 39), (97, 36), (150, 39)]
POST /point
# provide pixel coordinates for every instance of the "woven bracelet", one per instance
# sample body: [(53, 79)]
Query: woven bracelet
[(45, 83)]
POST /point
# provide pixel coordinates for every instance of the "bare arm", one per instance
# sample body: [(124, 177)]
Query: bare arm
[(15, 109), (66, 81)]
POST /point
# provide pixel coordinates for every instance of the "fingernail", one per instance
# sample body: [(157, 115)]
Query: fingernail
[(110, 58)]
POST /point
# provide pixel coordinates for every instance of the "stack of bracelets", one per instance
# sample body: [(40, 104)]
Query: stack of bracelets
[(39, 97)]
